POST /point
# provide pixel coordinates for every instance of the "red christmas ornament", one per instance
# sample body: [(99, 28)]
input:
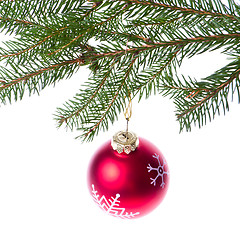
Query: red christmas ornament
[(131, 180)]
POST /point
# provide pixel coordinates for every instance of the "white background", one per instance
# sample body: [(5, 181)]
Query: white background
[(43, 188)]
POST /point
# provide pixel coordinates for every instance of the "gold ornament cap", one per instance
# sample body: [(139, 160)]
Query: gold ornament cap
[(124, 141)]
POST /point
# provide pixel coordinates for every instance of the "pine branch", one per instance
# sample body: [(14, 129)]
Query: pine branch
[(140, 45), (154, 74), (28, 49), (102, 97), (197, 100), (76, 110), (35, 80)]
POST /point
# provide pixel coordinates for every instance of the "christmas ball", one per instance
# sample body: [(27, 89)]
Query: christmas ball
[(128, 177)]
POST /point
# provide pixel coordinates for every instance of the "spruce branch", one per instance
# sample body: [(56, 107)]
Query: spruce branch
[(34, 81), (197, 100), (19, 52), (76, 111), (139, 46)]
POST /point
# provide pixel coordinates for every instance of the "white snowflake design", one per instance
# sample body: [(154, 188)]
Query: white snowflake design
[(111, 206), (160, 171)]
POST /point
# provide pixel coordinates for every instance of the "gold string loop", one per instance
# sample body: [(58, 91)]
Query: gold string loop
[(128, 112)]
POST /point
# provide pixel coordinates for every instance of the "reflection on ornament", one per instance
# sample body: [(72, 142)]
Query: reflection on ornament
[(160, 171), (111, 206)]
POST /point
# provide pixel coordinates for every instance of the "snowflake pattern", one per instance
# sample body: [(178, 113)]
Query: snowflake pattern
[(111, 206), (160, 171)]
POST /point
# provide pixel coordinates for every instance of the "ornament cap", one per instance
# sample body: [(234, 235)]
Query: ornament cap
[(124, 141)]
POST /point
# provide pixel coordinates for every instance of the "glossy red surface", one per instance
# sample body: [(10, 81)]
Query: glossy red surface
[(128, 186)]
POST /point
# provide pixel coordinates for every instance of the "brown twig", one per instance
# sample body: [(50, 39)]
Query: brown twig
[(183, 9), (24, 22), (177, 42)]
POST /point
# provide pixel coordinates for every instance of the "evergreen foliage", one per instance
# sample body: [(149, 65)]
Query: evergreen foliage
[(139, 45)]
